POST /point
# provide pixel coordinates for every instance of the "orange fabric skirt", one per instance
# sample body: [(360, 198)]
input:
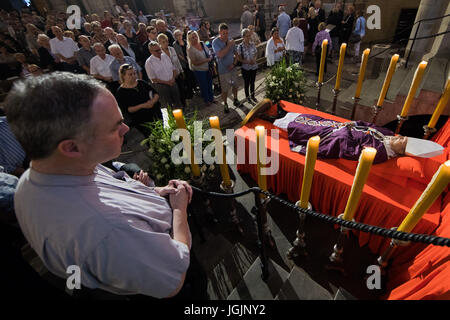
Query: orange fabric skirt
[(387, 197)]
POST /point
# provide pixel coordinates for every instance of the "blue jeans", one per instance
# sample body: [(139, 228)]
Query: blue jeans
[(205, 82)]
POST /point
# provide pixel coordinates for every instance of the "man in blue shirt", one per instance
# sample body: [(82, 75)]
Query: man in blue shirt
[(117, 53), (283, 22), (360, 30), (224, 49)]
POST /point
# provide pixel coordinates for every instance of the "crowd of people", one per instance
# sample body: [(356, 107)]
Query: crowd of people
[(301, 33), (30, 43)]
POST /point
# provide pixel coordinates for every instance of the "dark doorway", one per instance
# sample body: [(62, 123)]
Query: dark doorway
[(404, 25)]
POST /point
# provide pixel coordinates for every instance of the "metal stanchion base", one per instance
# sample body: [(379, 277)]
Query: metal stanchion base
[(336, 260), (299, 244), (383, 260), (428, 131)]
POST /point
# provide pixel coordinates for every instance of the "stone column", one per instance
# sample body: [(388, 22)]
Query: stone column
[(427, 9)]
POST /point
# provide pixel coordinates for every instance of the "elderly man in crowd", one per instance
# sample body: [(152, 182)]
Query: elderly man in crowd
[(161, 27), (246, 18), (126, 237), (99, 66), (64, 49), (295, 42), (111, 36), (85, 54), (161, 71), (283, 22), (120, 59)]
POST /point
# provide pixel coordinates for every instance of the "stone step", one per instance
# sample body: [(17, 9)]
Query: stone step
[(253, 287), (343, 294), (229, 272), (300, 286)]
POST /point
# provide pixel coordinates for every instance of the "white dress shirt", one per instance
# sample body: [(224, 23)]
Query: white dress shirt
[(101, 66), (67, 47), (295, 39), (161, 69)]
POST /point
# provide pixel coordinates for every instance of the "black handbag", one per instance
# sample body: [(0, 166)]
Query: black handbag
[(211, 64), (354, 38)]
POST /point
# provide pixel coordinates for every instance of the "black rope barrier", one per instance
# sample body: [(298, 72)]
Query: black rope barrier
[(387, 233)]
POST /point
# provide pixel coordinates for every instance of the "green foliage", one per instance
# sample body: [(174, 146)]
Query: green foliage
[(160, 147), (285, 82)]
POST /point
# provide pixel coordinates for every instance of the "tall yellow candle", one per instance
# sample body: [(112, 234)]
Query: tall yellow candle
[(362, 172), (181, 124), (414, 85), (310, 161), (441, 105), (387, 79), (362, 71), (337, 86), (437, 184), (261, 155), (322, 60), (214, 122)]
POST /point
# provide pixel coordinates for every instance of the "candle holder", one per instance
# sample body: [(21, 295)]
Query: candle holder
[(234, 217), (299, 245), (355, 103), (428, 131), (335, 96), (384, 258), (400, 123), (336, 260), (376, 111), (200, 182), (319, 88)]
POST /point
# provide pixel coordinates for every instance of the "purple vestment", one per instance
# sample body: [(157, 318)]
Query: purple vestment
[(337, 139)]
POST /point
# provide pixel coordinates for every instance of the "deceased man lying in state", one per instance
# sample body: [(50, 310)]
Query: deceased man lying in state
[(347, 139)]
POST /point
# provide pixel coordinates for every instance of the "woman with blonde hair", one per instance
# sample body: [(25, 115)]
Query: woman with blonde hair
[(137, 99), (317, 45), (199, 59)]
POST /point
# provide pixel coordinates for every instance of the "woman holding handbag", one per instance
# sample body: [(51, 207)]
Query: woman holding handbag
[(199, 59)]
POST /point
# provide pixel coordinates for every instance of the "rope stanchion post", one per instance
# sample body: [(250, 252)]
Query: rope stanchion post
[(200, 182), (261, 222), (299, 245), (336, 260), (229, 189)]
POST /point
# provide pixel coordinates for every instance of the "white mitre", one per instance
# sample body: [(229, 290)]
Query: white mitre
[(422, 148)]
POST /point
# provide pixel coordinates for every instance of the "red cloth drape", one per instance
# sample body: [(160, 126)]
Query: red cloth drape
[(387, 198)]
